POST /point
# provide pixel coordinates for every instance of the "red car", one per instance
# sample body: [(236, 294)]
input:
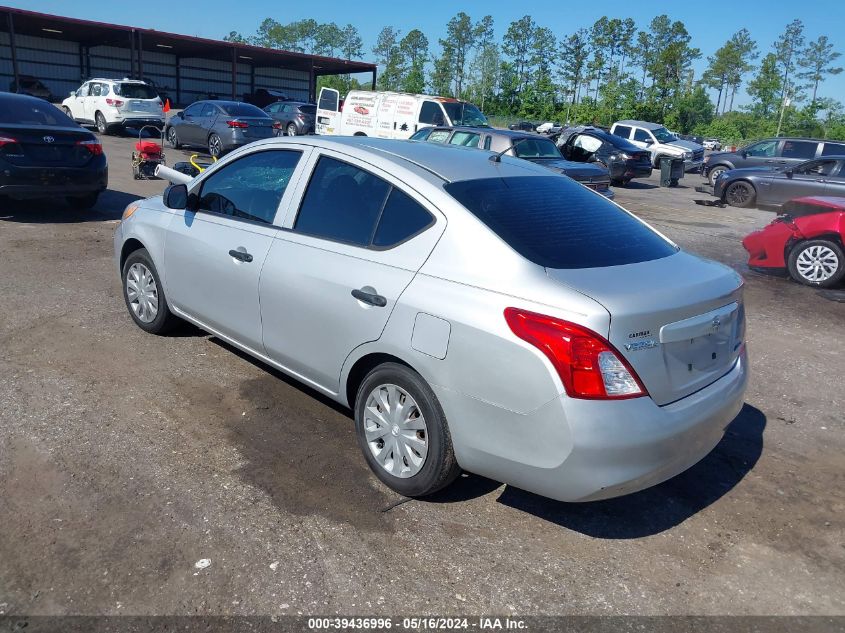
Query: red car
[(807, 240)]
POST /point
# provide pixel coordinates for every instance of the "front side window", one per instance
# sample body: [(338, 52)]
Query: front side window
[(273, 107), (466, 139), (208, 110), (250, 188), (193, 110), (799, 149), (642, 135), (431, 113), (556, 223), (763, 148), (96, 90), (663, 135), (462, 113)]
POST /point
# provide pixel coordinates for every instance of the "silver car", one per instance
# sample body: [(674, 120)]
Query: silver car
[(478, 315)]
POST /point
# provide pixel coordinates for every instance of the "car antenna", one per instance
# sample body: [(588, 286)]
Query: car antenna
[(497, 157)]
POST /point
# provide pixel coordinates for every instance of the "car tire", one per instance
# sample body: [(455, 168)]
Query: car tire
[(423, 440), (714, 173), (140, 274), (740, 194), (817, 263), (100, 121), (172, 138), (83, 203), (291, 129), (215, 146)]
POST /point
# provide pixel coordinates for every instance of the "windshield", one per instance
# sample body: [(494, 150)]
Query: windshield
[(556, 223), (535, 148), (32, 112), (135, 91), (461, 113), (663, 135), (242, 109)]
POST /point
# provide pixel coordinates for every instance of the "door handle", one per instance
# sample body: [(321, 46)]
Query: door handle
[(241, 255), (370, 298)]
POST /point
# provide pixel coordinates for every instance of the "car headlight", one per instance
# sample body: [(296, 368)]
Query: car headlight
[(129, 210), (687, 155)]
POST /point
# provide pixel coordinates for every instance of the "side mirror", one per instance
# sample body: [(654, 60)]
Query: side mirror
[(789, 173), (744, 154), (176, 197), (649, 142), (72, 93)]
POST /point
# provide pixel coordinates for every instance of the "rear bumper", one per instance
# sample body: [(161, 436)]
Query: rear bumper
[(236, 139), (44, 182), (628, 170), (583, 450)]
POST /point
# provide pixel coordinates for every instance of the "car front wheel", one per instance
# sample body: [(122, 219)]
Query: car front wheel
[(818, 263), (715, 172), (173, 139), (740, 194), (403, 433), (144, 294)]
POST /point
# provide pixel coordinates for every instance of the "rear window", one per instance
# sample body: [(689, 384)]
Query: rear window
[(308, 109), (557, 223), (242, 109), (135, 91), (32, 112)]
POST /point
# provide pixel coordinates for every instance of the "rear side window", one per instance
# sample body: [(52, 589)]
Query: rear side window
[(401, 220), (799, 149), (622, 130), (833, 149), (556, 223), (467, 139)]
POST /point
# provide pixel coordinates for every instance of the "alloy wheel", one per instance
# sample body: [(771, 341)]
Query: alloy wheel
[(817, 263), (101, 123), (291, 129), (142, 292), (215, 146), (395, 430), (738, 194)]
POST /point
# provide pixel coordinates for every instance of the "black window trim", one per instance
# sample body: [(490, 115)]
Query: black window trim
[(370, 246), (217, 214)]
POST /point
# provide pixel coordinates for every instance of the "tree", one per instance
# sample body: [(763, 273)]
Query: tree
[(742, 51), (328, 39), (693, 110), (441, 75), (351, 44), (573, 55), (485, 65), (389, 58), (787, 48), (414, 51), (765, 87), (460, 39), (234, 36), (817, 59), (517, 46)]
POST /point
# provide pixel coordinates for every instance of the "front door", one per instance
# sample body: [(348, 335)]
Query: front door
[(214, 253), (809, 179), (93, 102), (328, 112), (77, 102), (333, 279)]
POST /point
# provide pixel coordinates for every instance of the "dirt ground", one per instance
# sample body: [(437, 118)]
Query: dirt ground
[(125, 459)]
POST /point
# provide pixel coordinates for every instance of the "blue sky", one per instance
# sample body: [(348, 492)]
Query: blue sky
[(709, 23)]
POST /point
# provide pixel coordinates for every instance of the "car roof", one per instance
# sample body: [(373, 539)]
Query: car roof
[(643, 124), (435, 159)]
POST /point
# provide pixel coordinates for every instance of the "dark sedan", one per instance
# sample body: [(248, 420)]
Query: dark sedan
[(528, 145), (220, 126), (774, 186), (295, 117), (44, 154), (589, 144)]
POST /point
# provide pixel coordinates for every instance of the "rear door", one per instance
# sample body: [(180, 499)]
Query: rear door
[(328, 112), (796, 152), (836, 181), (332, 278), (808, 179)]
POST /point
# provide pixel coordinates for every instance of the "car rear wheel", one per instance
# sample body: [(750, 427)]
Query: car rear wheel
[(740, 194), (714, 173), (291, 129), (818, 263), (102, 126), (173, 139), (83, 203), (215, 146), (144, 294), (403, 433)]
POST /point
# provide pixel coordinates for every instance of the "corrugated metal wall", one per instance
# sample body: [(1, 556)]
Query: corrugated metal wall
[(54, 62), (294, 83)]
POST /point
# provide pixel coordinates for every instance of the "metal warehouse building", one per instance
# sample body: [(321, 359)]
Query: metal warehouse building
[(63, 52)]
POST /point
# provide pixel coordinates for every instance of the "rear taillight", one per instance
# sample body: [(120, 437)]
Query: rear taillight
[(114, 102), (5, 140), (277, 125), (92, 146), (239, 125), (588, 365)]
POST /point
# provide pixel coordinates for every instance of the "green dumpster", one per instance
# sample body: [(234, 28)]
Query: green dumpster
[(671, 171)]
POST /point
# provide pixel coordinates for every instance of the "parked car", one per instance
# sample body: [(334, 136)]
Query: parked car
[(548, 128), (657, 140), (771, 152), (807, 240), (219, 126), (31, 86), (478, 315), (263, 97), (390, 114), (112, 104), (523, 126), (527, 145), (698, 140), (43, 154), (774, 186), (712, 144), (620, 157), (295, 117)]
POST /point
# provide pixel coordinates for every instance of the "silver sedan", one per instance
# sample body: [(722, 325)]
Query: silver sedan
[(477, 315)]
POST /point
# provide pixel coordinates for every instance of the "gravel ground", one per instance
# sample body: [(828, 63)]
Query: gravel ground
[(126, 459)]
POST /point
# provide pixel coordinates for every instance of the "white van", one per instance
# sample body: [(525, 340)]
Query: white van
[(390, 114)]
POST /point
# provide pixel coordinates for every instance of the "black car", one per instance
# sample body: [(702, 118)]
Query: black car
[(771, 152), (44, 154), (263, 97), (296, 117), (774, 186), (623, 159), (523, 126)]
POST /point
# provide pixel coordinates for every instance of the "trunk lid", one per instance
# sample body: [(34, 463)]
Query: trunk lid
[(258, 127), (40, 146), (679, 320)]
